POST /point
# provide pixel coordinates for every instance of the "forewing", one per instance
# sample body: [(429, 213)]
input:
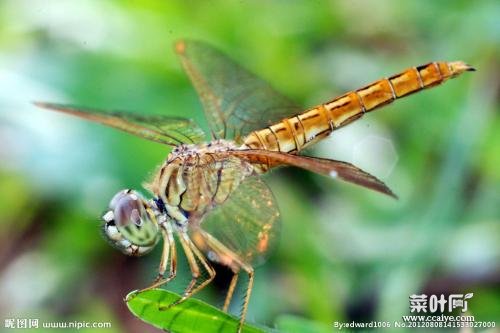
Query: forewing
[(331, 168), (167, 130), (248, 222), (235, 101)]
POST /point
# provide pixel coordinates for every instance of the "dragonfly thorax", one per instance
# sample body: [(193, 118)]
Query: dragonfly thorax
[(196, 177), (192, 150)]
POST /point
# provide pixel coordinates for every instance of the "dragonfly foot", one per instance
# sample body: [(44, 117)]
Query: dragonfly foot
[(131, 295), (159, 277), (171, 305)]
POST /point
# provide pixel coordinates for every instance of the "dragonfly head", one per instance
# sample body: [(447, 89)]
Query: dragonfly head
[(130, 224)]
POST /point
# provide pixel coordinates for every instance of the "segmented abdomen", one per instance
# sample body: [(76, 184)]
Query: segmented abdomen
[(297, 132)]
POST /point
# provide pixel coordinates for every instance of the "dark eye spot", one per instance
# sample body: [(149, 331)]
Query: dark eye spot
[(135, 217), (128, 210)]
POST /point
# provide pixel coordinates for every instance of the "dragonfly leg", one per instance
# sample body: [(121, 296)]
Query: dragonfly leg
[(230, 292), (168, 258), (193, 254), (236, 264), (169, 254), (249, 269)]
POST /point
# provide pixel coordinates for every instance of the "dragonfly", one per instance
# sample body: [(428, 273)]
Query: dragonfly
[(209, 193)]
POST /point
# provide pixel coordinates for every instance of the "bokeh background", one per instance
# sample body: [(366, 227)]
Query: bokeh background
[(345, 253)]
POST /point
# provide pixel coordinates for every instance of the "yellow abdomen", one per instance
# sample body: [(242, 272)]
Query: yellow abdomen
[(299, 131)]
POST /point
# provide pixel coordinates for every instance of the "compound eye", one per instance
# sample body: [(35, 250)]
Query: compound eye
[(129, 210), (119, 196), (129, 224)]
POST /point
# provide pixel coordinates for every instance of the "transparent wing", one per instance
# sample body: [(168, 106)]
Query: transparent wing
[(248, 222), (235, 101), (331, 168), (211, 181), (167, 130)]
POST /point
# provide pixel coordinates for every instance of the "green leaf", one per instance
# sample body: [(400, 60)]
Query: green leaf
[(191, 315)]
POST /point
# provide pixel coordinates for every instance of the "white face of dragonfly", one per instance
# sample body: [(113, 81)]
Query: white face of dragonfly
[(130, 224)]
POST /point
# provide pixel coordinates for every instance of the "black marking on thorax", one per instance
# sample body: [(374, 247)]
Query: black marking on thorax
[(160, 204)]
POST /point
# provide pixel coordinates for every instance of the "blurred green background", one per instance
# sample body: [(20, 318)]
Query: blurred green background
[(345, 253)]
